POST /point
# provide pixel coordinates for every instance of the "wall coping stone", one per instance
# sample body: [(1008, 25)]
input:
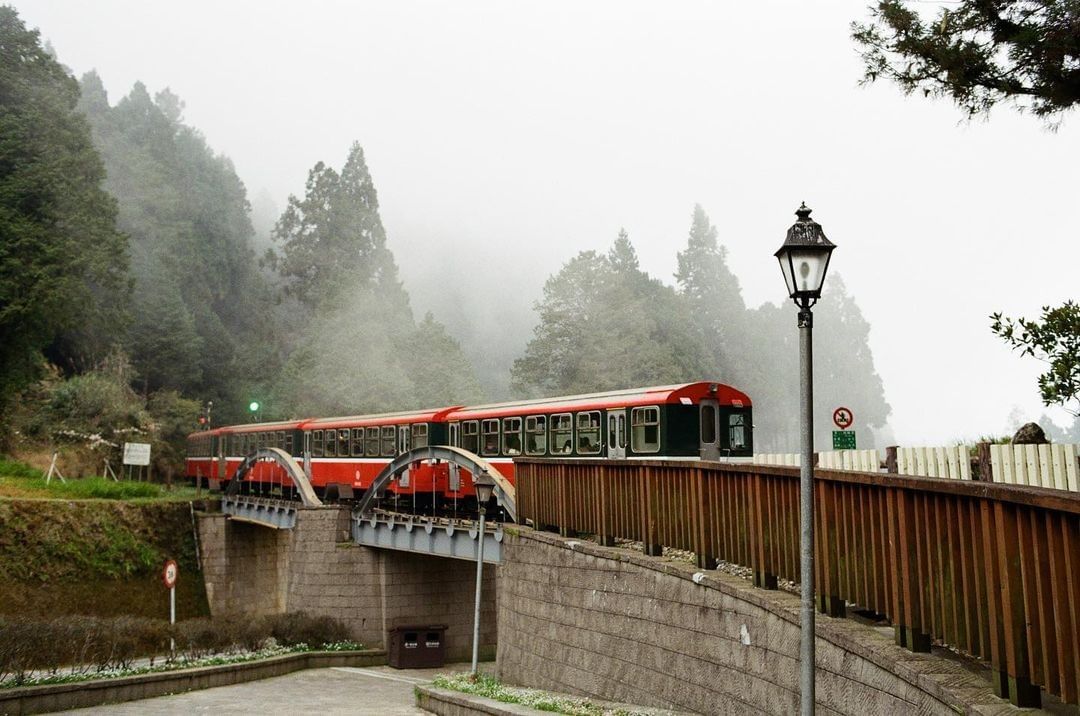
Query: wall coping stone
[(943, 677), (451, 703), (42, 698)]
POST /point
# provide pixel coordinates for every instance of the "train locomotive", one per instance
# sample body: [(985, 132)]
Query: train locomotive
[(343, 455)]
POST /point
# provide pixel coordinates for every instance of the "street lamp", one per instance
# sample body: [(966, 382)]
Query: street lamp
[(804, 259), (484, 485)]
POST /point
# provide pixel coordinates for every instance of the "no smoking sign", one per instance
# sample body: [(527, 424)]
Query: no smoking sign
[(843, 418)]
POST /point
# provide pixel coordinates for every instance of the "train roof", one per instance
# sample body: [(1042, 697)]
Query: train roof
[(248, 428), (414, 416), (686, 393)]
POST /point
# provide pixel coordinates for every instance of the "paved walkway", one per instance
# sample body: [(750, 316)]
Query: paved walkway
[(376, 690)]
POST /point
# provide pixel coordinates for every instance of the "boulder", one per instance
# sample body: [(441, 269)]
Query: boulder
[(1029, 434)]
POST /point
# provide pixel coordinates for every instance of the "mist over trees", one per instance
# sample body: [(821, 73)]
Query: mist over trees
[(200, 320), (604, 323), (359, 348)]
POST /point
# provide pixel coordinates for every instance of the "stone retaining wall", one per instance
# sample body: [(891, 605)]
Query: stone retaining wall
[(612, 624), (315, 567)]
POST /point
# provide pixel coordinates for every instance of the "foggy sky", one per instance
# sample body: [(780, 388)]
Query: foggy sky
[(514, 135)]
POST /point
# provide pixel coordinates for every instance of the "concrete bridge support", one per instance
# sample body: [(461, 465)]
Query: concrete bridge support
[(315, 567)]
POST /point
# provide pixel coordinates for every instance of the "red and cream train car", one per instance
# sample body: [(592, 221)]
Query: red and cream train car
[(709, 421)]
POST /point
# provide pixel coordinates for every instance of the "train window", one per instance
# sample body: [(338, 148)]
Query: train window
[(330, 437), (419, 435), (358, 442), (343, 442), (645, 429), (512, 436), (490, 430), (588, 428), (316, 443), (470, 437), (286, 443), (562, 434), (535, 434), (737, 430), (389, 440), (371, 448), (708, 424)]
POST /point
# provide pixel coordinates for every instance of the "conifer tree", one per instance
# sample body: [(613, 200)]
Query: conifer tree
[(714, 293), (62, 261), (333, 237)]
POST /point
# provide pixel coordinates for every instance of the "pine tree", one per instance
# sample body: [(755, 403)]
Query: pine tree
[(714, 293), (333, 238), (62, 262)]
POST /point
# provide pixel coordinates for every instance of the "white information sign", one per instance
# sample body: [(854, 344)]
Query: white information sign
[(136, 453)]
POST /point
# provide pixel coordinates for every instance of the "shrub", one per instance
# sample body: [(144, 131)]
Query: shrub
[(84, 643), (304, 628)]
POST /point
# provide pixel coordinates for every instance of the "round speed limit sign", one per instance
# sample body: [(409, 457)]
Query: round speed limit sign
[(169, 573)]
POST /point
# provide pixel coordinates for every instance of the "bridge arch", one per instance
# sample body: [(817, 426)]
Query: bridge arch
[(504, 491), (286, 461)]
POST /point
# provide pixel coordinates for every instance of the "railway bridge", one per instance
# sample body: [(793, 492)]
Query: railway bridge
[(672, 584)]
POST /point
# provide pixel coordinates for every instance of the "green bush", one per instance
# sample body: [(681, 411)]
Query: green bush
[(304, 628), (84, 643)]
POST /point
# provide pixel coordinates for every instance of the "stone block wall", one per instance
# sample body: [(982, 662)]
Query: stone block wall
[(243, 566), (615, 625), (420, 589), (315, 567)]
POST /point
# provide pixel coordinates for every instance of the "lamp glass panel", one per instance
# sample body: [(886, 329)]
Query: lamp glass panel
[(785, 268), (808, 271), (483, 492)]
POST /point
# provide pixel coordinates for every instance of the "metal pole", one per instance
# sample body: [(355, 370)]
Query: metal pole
[(806, 509), (479, 578), (172, 616)]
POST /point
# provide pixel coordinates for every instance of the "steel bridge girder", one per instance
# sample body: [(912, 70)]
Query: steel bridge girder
[(426, 537)]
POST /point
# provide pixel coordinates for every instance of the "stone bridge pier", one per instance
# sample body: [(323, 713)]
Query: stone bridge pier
[(316, 568)]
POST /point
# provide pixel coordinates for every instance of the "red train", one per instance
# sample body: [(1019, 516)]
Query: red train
[(707, 421)]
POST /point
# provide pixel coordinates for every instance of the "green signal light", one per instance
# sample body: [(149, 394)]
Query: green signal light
[(254, 407)]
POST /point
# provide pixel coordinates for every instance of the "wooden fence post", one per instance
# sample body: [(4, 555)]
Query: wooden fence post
[(764, 576), (606, 538), (827, 544), (982, 461), (890, 460), (910, 632), (1017, 661), (649, 542), (564, 531), (705, 559)]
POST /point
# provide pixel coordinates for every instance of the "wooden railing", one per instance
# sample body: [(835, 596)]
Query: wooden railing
[(992, 570)]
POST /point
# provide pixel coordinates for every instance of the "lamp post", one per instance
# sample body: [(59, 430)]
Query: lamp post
[(484, 485), (804, 259)]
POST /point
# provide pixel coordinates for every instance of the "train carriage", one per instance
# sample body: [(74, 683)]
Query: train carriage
[(342, 456), (346, 454), (702, 420)]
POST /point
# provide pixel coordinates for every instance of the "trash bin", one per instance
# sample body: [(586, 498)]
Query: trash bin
[(418, 647)]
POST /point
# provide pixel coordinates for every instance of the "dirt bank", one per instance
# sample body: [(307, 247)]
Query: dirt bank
[(95, 557)]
